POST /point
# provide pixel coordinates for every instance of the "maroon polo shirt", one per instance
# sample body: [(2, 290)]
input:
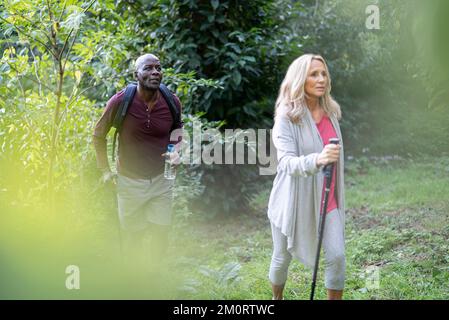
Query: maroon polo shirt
[(144, 136)]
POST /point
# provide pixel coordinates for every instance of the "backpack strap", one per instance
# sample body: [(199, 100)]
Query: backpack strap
[(168, 96), (130, 91)]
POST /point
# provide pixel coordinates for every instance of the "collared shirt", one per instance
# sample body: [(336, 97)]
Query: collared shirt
[(144, 136)]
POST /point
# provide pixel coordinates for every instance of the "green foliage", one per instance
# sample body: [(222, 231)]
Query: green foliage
[(26, 139), (432, 49), (51, 81), (228, 189), (236, 43), (239, 45), (48, 31), (186, 86), (379, 77)]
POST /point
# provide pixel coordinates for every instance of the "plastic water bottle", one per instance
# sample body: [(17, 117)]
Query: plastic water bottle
[(170, 170)]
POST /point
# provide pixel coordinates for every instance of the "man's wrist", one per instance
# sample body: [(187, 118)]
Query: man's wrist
[(105, 170)]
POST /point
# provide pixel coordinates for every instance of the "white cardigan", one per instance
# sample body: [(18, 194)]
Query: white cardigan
[(294, 205)]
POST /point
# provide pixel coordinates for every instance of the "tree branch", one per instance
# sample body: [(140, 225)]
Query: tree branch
[(33, 24), (74, 37), (65, 44), (316, 7), (50, 13), (30, 78), (36, 71), (23, 94), (29, 36), (62, 12)]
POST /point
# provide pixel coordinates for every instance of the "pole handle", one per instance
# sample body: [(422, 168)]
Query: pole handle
[(328, 168)]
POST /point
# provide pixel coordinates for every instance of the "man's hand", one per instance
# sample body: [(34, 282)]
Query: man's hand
[(109, 177), (174, 158)]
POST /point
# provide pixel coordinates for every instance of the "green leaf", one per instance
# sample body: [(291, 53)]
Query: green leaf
[(236, 77), (249, 58), (74, 20), (215, 4)]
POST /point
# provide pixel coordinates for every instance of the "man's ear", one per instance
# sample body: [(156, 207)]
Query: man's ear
[(135, 74)]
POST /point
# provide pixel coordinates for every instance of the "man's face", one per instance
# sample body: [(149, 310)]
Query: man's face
[(149, 73)]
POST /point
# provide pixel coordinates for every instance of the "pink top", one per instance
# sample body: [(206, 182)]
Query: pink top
[(327, 131)]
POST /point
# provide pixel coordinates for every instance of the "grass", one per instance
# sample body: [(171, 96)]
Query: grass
[(397, 232)]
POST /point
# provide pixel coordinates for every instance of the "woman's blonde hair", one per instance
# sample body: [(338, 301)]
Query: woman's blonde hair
[(292, 93)]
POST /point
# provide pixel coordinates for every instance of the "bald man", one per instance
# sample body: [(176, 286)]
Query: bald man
[(144, 195)]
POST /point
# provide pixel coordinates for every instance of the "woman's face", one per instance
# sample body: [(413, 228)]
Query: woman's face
[(317, 79)]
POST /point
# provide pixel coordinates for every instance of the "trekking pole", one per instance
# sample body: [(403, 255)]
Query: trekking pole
[(328, 175)]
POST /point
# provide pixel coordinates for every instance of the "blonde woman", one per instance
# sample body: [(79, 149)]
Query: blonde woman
[(306, 117)]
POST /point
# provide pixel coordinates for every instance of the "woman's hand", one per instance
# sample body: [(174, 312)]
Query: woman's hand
[(330, 154)]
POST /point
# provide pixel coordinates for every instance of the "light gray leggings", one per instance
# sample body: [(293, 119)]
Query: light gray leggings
[(334, 254)]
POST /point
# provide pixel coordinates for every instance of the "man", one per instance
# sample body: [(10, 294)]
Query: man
[(144, 195)]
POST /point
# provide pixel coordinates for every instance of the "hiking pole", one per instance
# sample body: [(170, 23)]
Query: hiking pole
[(328, 169)]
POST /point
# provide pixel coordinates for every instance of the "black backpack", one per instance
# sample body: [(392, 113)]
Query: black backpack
[(130, 91)]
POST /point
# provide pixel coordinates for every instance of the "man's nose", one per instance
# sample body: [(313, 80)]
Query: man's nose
[(155, 71)]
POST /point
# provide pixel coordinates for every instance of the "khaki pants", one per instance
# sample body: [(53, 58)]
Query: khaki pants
[(145, 213), (143, 202)]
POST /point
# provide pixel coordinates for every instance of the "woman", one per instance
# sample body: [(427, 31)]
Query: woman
[(306, 117)]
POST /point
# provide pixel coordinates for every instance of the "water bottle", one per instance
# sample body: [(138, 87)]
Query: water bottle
[(170, 170)]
